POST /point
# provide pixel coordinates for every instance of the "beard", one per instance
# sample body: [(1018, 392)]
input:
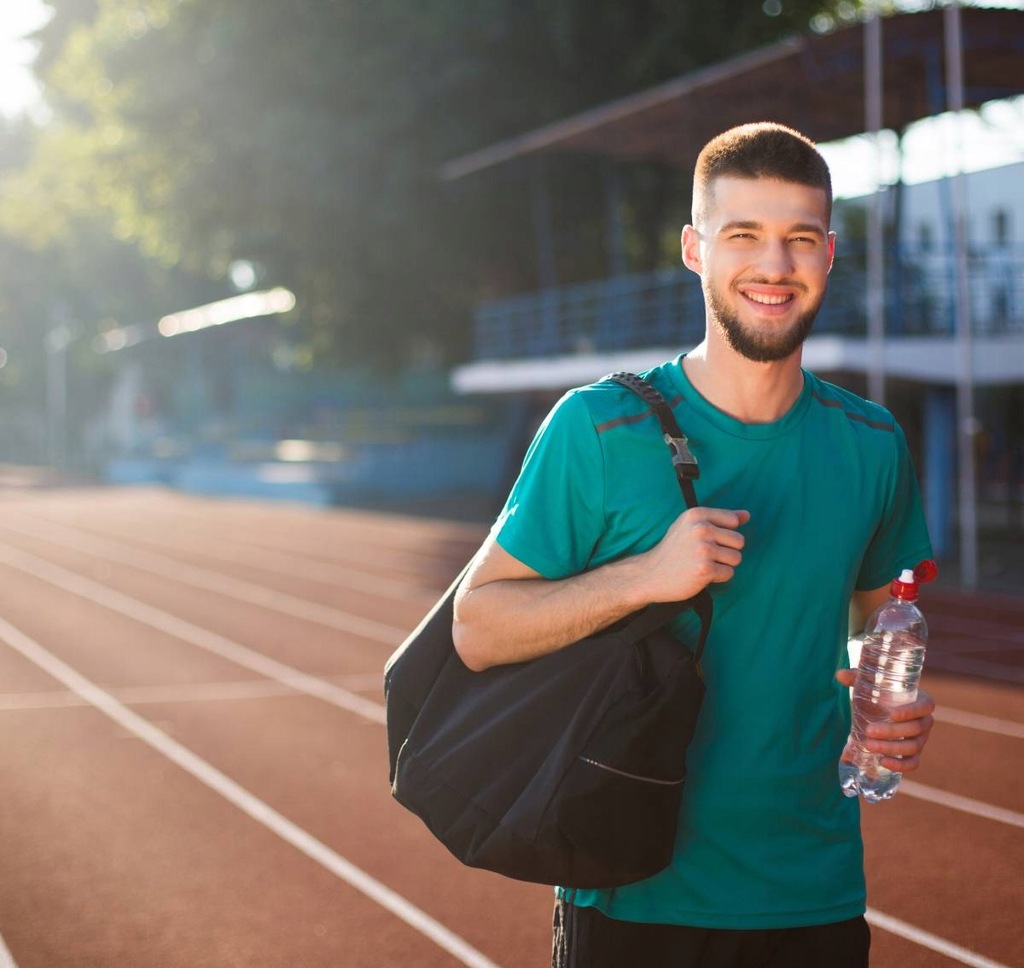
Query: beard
[(763, 347)]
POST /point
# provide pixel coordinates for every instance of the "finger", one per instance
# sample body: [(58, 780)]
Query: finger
[(722, 573), (706, 555), (897, 730), (904, 764), (905, 715), (711, 539), (712, 535), (921, 708), (706, 562), (721, 517), (910, 746), (727, 539), (727, 556), (900, 757), (846, 677)]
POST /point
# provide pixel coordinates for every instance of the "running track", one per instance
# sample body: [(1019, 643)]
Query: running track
[(193, 767)]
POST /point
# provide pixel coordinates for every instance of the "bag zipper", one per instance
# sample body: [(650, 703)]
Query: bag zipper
[(630, 776)]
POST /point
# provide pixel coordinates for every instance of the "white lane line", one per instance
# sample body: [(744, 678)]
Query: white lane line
[(244, 591), (91, 694), (202, 638), (348, 542), (6, 958), (276, 562), (978, 628), (956, 802), (178, 693), (875, 917), (311, 685), (143, 695), (342, 698), (247, 802), (928, 940), (988, 724), (1000, 671)]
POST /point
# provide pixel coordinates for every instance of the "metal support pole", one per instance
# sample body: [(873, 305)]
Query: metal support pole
[(55, 344), (56, 398), (614, 239), (547, 274), (873, 93), (939, 465), (543, 234), (966, 422)]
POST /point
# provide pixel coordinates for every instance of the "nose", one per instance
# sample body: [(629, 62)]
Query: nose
[(775, 260)]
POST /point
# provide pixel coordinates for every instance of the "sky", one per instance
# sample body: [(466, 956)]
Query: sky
[(18, 88), (931, 149)]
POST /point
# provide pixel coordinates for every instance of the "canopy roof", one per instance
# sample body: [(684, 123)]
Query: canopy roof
[(814, 83)]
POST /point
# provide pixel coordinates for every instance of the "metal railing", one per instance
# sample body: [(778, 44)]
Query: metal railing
[(666, 308)]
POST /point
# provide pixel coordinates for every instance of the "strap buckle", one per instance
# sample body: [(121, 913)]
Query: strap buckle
[(684, 461)]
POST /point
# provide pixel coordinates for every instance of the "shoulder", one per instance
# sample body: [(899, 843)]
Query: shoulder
[(843, 406), (610, 406)]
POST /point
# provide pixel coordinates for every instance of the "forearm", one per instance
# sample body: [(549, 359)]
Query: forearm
[(862, 604), (505, 612), (512, 620)]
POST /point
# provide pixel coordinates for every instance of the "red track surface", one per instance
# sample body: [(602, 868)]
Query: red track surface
[(172, 798)]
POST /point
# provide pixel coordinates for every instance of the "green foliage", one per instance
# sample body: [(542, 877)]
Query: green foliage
[(307, 137), (62, 268)]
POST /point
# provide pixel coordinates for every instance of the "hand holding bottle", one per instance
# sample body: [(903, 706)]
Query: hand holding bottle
[(890, 722), (900, 739)]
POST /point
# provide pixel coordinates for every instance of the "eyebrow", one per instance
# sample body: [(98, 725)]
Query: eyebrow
[(807, 228)]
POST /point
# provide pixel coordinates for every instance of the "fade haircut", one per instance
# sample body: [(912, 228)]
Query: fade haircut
[(760, 150)]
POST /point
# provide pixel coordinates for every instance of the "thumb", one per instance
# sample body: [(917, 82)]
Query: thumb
[(846, 677)]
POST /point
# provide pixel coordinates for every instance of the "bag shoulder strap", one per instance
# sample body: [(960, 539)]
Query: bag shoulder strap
[(683, 461), (687, 471)]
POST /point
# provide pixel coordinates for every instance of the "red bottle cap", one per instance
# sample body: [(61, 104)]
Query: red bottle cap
[(904, 587), (926, 571)]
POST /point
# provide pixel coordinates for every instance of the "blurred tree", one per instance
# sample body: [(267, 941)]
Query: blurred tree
[(307, 136), (65, 285)]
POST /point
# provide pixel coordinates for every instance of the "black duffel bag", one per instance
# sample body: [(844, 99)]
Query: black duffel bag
[(567, 769)]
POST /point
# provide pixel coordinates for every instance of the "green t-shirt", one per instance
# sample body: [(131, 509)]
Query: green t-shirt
[(766, 838)]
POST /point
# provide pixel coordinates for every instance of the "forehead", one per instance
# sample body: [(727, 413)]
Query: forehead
[(764, 200)]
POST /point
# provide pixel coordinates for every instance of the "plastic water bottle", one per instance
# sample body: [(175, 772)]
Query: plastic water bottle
[(891, 659)]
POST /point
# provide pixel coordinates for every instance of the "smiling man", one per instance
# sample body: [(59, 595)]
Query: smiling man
[(809, 508)]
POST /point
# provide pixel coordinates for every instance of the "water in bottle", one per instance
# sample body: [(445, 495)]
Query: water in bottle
[(891, 659)]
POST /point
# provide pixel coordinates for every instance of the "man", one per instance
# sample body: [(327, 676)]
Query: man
[(810, 508)]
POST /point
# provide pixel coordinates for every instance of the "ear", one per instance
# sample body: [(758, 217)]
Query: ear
[(691, 249), (831, 250)]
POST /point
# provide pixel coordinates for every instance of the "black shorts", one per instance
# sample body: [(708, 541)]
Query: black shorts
[(585, 938)]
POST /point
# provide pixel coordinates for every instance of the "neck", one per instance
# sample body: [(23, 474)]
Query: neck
[(749, 392)]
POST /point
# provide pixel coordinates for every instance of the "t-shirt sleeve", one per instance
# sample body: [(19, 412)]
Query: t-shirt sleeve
[(554, 515), (901, 539)]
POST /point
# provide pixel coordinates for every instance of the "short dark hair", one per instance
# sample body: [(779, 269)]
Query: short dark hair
[(760, 150)]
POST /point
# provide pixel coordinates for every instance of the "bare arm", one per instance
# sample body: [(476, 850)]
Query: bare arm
[(506, 612), (863, 604)]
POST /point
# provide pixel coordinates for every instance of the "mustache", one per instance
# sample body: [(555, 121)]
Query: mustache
[(760, 281)]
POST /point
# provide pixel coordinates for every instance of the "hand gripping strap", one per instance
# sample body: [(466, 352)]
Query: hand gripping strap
[(687, 471)]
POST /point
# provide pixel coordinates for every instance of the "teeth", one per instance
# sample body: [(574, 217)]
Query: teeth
[(767, 300)]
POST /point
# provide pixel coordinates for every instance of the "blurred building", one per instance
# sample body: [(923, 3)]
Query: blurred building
[(922, 348)]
